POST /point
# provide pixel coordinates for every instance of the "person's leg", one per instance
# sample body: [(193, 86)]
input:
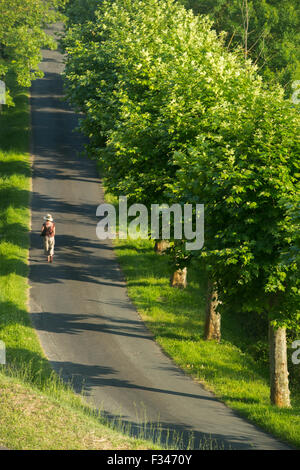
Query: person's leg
[(46, 248), (51, 248)]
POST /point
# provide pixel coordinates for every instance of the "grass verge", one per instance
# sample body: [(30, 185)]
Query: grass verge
[(37, 411), (31, 419)]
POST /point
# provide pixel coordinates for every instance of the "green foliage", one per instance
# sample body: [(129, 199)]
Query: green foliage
[(268, 31), (290, 256), (145, 75), (244, 177), (179, 257), (173, 115), (22, 35), (79, 11)]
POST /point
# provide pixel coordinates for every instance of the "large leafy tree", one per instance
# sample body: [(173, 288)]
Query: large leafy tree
[(174, 116), (145, 75), (22, 35), (79, 11), (268, 31), (245, 179)]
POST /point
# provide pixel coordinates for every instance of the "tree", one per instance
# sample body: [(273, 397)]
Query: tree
[(144, 74), (174, 116), (22, 35), (80, 11), (267, 31), (244, 176)]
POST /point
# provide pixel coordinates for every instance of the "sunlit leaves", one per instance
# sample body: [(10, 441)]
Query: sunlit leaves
[(173, 116), (22, 35)]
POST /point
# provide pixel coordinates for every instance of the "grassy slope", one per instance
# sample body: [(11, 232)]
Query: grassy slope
[(36, 410), (31, 419)]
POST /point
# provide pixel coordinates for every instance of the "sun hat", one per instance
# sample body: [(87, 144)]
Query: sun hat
[(48, 217)]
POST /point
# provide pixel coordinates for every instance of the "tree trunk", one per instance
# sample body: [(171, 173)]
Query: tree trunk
[(178, 278), (161, 246), (213, 319), (279, 382)]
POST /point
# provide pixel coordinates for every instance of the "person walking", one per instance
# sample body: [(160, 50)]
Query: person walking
[(48, 234)]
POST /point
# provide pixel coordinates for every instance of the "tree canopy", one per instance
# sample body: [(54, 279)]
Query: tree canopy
[(173, 115), (22, 35), (268, 31)]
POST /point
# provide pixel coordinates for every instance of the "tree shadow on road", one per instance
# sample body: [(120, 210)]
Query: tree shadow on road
[(82, 378)]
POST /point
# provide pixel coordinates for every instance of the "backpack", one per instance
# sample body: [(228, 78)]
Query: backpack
[(48, 230)]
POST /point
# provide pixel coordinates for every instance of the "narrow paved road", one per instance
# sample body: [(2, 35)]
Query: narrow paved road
[(87, 326)]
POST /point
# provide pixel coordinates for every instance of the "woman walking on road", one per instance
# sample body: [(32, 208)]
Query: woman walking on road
[(48, 234)]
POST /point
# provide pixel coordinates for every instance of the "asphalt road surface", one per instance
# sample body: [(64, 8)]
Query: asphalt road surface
[(88, 328)]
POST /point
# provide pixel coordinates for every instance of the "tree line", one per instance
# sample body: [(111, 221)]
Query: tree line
[(174, 115), (178, 111), (22, 35), (267, 31)]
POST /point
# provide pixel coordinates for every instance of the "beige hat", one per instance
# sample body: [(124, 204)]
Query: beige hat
[(48, 217)]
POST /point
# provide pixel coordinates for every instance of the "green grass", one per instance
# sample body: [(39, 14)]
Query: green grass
[(14, 222), (230, 369), (37, 411), (31, 419)]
